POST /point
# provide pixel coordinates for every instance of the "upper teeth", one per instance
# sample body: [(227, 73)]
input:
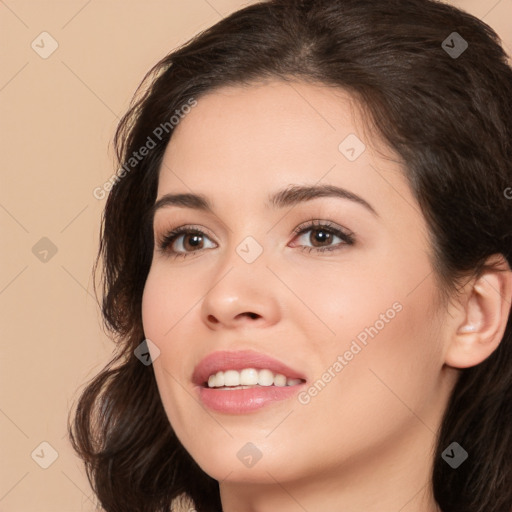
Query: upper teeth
[(250, 377)]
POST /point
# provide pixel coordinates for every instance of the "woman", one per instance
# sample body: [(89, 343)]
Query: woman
[(310, 238)]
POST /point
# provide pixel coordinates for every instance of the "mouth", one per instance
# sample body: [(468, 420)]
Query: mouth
[(243, 381)]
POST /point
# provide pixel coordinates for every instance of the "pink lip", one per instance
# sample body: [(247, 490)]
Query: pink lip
[(239, 401)]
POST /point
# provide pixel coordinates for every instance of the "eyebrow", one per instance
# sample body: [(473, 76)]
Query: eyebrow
[(289, 196)]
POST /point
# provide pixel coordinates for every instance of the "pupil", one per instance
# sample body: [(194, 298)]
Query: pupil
[(322, 236), (195, 240)]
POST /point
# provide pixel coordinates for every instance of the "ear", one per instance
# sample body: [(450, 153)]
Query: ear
[(479, 321)]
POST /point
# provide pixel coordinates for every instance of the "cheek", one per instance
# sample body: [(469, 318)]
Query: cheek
[(164, 318), (163, 313), (388, 337), (392, 356), (165, 301), (386, 385), (154, 303), (346, 304)]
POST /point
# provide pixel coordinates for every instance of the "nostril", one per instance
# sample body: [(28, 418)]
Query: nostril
[(249, 314)]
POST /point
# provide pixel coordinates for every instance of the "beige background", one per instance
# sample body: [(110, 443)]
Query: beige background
[(58, 116)]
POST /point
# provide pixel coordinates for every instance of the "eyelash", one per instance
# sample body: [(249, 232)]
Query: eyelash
[(348, 238)]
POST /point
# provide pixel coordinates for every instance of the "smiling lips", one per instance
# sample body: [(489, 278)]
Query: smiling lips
[(242, 381)]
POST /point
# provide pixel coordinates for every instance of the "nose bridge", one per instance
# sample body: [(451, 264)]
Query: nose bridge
[(250, 249), (248, 234), (244, 267)]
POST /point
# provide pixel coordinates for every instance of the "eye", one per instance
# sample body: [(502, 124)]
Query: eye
[(185, 240), (178, 241), (323, 233)]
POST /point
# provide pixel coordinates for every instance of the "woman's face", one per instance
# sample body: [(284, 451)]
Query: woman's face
[(359, 323)]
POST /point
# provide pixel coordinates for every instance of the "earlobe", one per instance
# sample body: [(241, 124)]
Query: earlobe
[(479, 326)]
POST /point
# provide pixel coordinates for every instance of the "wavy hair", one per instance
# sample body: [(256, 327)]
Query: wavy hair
[(448, 116)]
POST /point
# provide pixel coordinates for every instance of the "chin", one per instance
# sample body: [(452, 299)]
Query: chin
[(238, 461)]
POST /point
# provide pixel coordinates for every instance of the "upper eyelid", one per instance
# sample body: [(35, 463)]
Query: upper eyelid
[(184, 229), (166, 227), (307, 224), (161, 223), (312, 223)]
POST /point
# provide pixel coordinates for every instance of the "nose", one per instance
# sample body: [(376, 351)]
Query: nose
[(243, 296)]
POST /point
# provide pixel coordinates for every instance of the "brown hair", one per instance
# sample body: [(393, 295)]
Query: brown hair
[(448, 116)]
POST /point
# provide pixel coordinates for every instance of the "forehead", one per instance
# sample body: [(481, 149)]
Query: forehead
[(245, 141), (264, 119)]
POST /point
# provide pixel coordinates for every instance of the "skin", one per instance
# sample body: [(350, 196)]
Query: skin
[(364, 441)]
